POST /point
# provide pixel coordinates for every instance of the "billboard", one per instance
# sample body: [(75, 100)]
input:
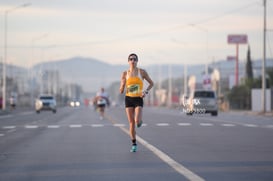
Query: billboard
[(237, 39), (231, 58)]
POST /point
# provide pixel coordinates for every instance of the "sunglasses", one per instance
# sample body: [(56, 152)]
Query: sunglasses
[(133, 59)]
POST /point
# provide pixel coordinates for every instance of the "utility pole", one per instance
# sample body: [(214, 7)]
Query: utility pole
[(264, 63), (170, 89), (185, 80), (6, 13)]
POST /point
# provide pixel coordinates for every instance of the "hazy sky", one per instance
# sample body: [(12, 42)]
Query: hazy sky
[(159, 31)]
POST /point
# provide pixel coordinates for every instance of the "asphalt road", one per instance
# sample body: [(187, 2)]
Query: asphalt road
[(74, 144)]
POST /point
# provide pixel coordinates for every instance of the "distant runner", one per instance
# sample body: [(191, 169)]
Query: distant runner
[(101, 101)]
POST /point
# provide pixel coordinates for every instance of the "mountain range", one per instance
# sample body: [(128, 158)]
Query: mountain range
[(91, 73)]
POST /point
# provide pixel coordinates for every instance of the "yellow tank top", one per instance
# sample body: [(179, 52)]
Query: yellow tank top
[(134, 85)]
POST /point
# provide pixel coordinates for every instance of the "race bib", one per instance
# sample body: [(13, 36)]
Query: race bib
[(101, 102), (134, 89)]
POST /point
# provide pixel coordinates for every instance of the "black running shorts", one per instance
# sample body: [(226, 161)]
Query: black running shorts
[(133, 101), (101, 105)]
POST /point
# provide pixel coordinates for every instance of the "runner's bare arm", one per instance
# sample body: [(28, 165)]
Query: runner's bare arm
[(122, 82), (146, 76)]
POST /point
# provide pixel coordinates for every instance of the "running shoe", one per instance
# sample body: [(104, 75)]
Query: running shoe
[(139, 124), (134, 148)]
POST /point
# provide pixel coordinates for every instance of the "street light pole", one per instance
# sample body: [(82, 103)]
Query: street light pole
[(170, 89), (4, 62), (5, 50), (264, 63)]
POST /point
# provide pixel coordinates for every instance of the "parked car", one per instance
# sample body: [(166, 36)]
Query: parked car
[(45, 102), (202, 101)]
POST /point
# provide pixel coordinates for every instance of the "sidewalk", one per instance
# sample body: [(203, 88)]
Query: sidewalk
[(248, 112), (16, 110)]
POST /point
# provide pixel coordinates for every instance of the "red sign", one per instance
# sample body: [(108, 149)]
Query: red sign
[(237, 39), (206, 81)]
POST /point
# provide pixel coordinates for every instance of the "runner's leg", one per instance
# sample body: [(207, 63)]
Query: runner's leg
[(138, 116), (130, 115)]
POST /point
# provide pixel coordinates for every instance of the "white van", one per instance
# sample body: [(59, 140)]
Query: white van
[(45, 102), (202, 101)]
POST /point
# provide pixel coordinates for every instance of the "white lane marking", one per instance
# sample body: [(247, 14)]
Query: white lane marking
[(250, 125), (9, 127), (53, 126), (75, 126), (228, 125), (123, 125), (2, 135), (206, 124), (119, 125), (31, 126), (168, 160), (143, 125), (97, 125), (162, 124), (184, 124), (231, 122)]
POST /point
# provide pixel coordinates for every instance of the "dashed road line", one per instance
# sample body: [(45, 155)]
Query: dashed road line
[(250, 125), (53, 126), (97, 125), (9, 127), (206, 124), (231, 122), (162, 124), (228, 125), (31, 126), (119, 125), (184, 124), (75, 126)]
